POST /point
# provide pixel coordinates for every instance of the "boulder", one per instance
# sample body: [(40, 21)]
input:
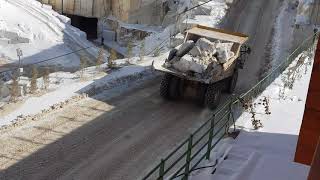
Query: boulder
[(187, 63), (217, 70), (227, 45), (175, 59), (205, 60), (109, 35), (209, 69), (167, 65), (213, 68), (224, 52), (177, 40), (206, 45), (222, 55), (195, 51), (214, 60), (205, 54), (172, 54), (185, 48)]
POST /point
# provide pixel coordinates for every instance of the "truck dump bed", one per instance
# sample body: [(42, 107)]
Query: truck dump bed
[(218, 34), (211, 34)]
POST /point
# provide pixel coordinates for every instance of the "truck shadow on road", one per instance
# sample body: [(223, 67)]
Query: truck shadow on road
[(110, 137)]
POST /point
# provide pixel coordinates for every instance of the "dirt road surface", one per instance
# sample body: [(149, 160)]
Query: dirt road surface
[(256, 19), (122, 137), (114, 138)]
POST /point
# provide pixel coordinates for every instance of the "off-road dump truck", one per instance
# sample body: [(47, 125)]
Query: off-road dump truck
[(208, 61)]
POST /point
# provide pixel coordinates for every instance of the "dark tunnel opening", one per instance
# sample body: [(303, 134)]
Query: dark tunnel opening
[(86, 24)]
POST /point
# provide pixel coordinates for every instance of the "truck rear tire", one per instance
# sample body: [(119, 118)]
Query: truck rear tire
[(233, 82), (169, 87), (213, 96)]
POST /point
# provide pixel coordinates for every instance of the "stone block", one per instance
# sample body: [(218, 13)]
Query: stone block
[(185, 48), (109, 35), (188, 63), (177, 40), (206, 45), (195, 51)]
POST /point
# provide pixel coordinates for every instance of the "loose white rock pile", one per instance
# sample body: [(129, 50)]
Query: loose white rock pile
[(203, 58)]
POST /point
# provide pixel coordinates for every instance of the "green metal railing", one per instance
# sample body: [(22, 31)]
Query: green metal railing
[(191, 152)]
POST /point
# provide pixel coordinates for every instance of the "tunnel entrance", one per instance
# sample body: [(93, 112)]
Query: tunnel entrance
[(88, 25)]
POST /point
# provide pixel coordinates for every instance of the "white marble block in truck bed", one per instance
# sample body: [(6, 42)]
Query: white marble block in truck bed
[(188, 63), (185, 48), (224, 52), (206, 45), (195, 51)]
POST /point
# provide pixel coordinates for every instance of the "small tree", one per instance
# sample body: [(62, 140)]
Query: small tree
[(129, 49), (83, 65), (46, 78), (266, 104), (100, 58), (33, 80), (14, 90), (142, 50), (256, 123), (112, 58)]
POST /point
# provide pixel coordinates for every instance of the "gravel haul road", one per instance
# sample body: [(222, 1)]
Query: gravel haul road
[(120, 138), (117, 138)]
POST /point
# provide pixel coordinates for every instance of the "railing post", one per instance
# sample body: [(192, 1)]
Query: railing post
[(161, 170), (188, 158), (210, 137), (231, 114)]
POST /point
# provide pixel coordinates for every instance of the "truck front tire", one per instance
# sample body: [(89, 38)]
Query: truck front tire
[(213, 96), (201, 93), (170, 87), (165, 86)]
